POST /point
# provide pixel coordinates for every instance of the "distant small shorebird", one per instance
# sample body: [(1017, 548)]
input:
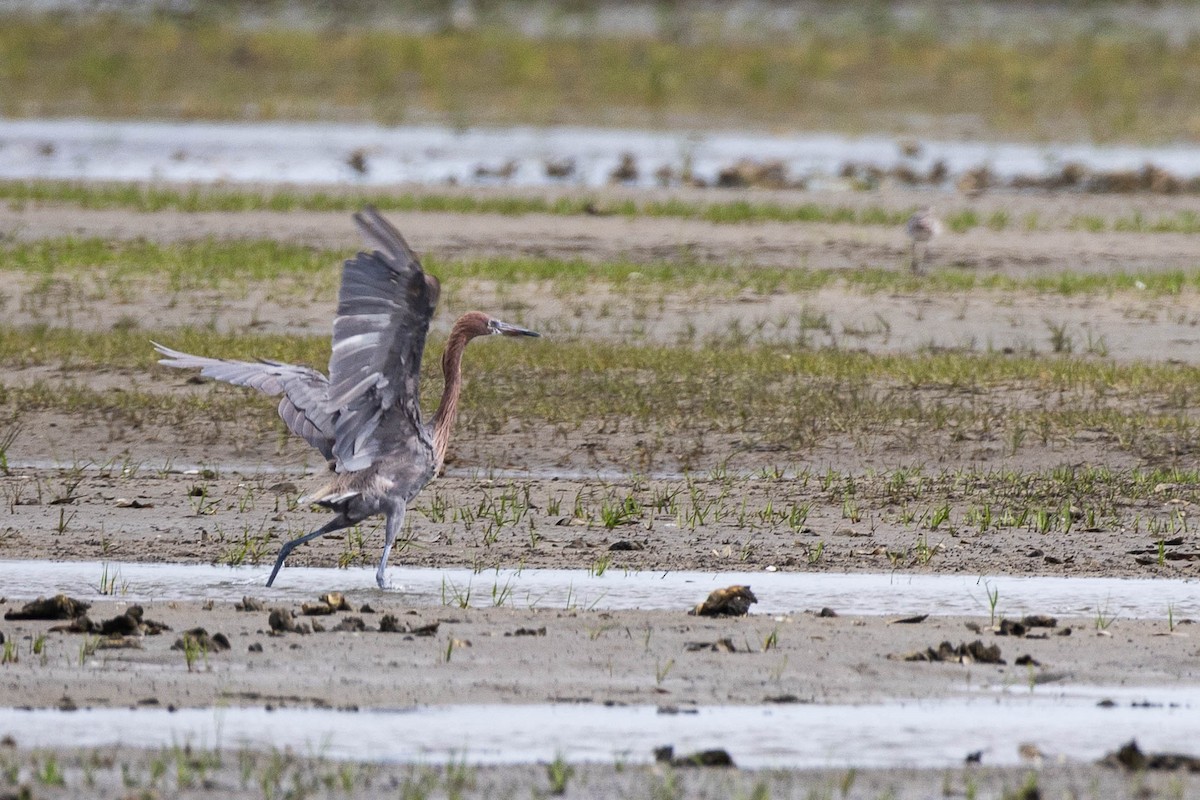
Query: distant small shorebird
[(921, 227)]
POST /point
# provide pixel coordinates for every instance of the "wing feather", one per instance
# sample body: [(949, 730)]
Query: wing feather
[(384, 307), (302, 407)]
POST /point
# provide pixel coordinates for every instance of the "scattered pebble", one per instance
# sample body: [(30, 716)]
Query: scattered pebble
[(974, 653), (528, 632), (250, 604)]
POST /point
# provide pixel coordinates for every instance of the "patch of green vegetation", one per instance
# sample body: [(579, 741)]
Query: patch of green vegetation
[(204, 66), (141, 197), (192, 199), (108, 268), (774, 396)]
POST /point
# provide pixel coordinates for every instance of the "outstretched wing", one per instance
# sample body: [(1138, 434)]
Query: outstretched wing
[(384, 308), (304, 390)]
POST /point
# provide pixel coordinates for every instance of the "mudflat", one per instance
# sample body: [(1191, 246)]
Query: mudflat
[(118, 482)]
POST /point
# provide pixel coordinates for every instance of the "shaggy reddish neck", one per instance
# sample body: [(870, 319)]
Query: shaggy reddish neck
[(447, 412)]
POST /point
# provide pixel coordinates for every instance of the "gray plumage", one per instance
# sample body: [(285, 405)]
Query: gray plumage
[(922, 226), (365, 418)]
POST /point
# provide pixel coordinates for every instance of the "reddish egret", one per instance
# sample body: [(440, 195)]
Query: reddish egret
[(921, 227), (365, 418)]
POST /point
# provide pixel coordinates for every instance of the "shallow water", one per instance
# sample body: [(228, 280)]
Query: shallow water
[(896, 594), (318, 153), (1065, 723)]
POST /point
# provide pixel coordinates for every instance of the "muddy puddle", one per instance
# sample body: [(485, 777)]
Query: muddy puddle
[(326, 154), (1003, 729), (777, 592)]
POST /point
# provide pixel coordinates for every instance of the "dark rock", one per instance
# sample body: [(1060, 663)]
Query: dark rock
[(975, 652), (390, 624), (626, 545), (732, 601), (250, 604), (1131, 758), (827, 612), (626, 171), (216, 643), (528, 632), (357, 161), (747, 173), (326, 604), (282, 620), (782, 699), (560, 168), (720, 646), (1039, 621), (58, 607), (1027, 661), (352, 624), (1010, 627), (256, 647), (119, 642), (78, 625), (703, 758), (910, 620)]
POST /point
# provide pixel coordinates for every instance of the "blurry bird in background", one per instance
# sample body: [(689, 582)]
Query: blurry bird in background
[(921, 227)]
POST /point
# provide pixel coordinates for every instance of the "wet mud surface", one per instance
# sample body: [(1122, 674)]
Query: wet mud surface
[(81, 488)]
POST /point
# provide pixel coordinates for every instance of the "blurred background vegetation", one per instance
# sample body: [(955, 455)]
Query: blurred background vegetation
[(1101, 71)]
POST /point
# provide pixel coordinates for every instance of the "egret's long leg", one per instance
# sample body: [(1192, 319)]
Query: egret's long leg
[(337, 523)]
